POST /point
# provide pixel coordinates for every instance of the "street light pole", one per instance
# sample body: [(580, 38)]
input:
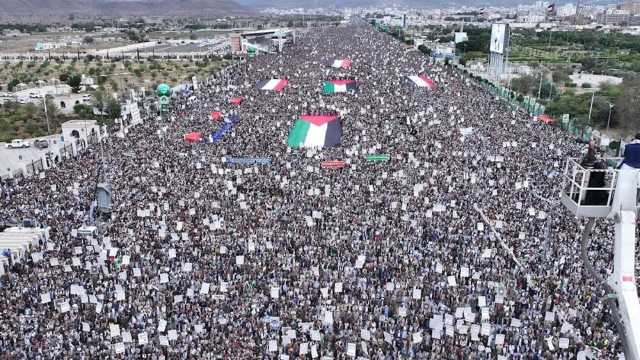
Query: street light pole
[(609, 118), (46, 115), (591, 106), (540, 87)]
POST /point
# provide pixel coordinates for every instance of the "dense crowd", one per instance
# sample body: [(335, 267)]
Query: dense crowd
[(381, 260)]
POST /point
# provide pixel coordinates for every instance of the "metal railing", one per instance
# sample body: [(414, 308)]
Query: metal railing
[(576, 181)]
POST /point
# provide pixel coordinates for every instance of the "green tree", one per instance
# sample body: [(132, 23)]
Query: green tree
[(113, 108), (548, 90), (524, 84), (12, 84), (74, 81), (628, 106), (425, 50), (99, 100), (83, 111)]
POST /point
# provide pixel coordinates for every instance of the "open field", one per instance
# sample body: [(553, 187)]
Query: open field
[(112, 75)]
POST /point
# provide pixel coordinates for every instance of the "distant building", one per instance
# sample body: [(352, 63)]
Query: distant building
[(265, 40), (614, 17), (87, 81), (80, 133), (236, 43), (596, 81), (632, 7), (533, 18), (44, 46), (566, 10)]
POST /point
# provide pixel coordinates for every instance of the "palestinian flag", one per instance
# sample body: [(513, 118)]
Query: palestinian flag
[(315, 131), (344, 64), (338, 86), (423, 81), (273, 84)]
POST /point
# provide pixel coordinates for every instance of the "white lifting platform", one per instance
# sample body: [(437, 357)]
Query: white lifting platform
[(579, 197), (598, 191)]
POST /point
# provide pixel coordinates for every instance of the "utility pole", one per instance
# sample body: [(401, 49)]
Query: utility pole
[(46, 115), (609, 118), (591, 106), (540, 86)]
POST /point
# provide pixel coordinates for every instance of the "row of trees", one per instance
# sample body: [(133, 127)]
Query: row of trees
[(621, 100), (28, 120)]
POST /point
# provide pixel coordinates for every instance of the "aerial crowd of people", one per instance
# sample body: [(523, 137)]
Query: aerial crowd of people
[(453, 248)]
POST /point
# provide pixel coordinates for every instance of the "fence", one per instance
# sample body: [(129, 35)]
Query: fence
[(579, 129), (66, 151), (34, 167)]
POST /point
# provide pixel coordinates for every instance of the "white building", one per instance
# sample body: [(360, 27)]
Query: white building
[(533, 18), (81, 132), (15, 242), (566, 10), (596, 81)]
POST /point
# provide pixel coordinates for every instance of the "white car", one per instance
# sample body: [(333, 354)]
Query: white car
[(18, 143)]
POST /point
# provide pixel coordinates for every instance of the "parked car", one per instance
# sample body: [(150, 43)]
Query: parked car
[(18, 143), (41, 144)]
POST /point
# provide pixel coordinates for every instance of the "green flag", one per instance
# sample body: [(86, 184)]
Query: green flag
[(378, 157)]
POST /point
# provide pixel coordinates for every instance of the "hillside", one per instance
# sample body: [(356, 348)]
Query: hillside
[(120, 8)]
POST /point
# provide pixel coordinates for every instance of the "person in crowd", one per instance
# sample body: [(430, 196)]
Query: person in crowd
[(208, 259)]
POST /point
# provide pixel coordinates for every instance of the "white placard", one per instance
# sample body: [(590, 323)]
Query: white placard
[(275, 292), (164, 278), (204, 290), (143, 339), (563, 343), (162, 325), (338, 288), (417, 294), (114, 330), (45, 298), (416, 337), (126, 336), (351, 349)]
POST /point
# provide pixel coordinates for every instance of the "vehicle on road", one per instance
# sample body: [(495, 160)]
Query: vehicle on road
[(41, 144), (18, 143)]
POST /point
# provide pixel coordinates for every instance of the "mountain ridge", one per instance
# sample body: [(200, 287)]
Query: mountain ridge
[(121, 8)]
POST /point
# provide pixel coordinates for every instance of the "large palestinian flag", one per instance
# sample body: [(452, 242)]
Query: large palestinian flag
[(273, 84), (344, 64), (315, 131), (423, 81), (338, 86)]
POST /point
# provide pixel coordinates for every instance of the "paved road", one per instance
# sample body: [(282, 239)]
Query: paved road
[(14, 159)]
